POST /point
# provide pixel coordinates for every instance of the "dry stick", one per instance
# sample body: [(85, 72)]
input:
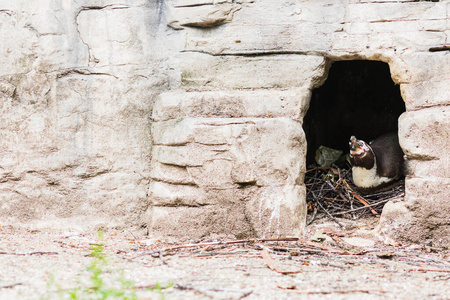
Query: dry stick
[(337, 292), (30, 253), (361, 199), (331, 188), (10, 286), (360, 208), (329, 215), (429, 270), (313, 216), (271, 264), (440, 48), (309, 250), (320, 246), (286, 239), (336, 191)]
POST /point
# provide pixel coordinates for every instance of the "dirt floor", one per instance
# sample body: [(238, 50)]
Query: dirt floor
[(329, 262)]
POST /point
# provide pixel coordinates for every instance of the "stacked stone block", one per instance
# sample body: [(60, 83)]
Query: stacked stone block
[(229, 163)]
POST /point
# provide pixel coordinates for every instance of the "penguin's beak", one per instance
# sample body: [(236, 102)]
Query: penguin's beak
[(357, 147), (354, 144)]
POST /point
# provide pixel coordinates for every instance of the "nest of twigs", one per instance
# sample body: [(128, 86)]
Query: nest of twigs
[(331, 193)]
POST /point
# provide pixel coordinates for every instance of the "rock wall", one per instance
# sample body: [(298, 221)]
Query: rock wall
[(77, 83), (186, 115)]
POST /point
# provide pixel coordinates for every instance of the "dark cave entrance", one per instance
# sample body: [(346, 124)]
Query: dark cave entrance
[(358, 98)]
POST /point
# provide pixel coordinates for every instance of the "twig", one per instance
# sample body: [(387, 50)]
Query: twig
[(313, 217), (439, 48), (329, 215), (221, 254), (335, 292), (363, 201), (360, 199), (271, 264), (360, 208), (10, 286), (30, 253), (429, 270), (320, 246), (328, 194), (334, 189), (285, 239)]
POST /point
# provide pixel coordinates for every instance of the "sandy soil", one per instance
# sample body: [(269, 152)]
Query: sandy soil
[(348, 264)]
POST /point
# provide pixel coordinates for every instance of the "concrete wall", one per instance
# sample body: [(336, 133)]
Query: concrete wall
[(185, 116)]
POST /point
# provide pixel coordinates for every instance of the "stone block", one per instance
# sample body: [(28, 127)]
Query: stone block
[(426, 87), (255, 141), (239, 39), (420, 40), (205, 131), (394, 216), (171, 195), (422, 217), (259, 170), (213, 174), (170, 173), (425, 134), (269, 212), (343, 41), (190, 223), (244, 172), (427, 201), (430, 168), (191, 155), (425, 94), (173, 132), (276, 71), (277, 151), (278, 211), (290, 103)]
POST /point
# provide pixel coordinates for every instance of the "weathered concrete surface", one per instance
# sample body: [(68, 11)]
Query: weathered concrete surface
[(233, 79), (77, 82)]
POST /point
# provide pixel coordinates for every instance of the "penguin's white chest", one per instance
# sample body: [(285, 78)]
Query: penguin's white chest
[(367, 178)]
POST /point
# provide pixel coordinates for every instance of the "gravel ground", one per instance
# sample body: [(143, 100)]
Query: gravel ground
[(349, 264)]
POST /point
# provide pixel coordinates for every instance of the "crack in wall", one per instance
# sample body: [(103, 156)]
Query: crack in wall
[(92, 58), (258, 53), (81, 71)]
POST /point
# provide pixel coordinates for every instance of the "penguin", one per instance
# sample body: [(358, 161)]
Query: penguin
[(376, 166)]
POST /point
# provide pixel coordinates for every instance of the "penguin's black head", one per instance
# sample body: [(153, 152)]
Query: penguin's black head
[(361, 155)]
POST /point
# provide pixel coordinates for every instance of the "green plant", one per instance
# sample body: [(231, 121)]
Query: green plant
[(100, 288), (105, 283)]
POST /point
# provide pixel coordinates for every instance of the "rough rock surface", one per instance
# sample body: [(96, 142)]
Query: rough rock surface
[(77, 81), (239, 176), (83, 147)]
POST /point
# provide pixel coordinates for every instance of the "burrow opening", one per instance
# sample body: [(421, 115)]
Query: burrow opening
[(358, 98)]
